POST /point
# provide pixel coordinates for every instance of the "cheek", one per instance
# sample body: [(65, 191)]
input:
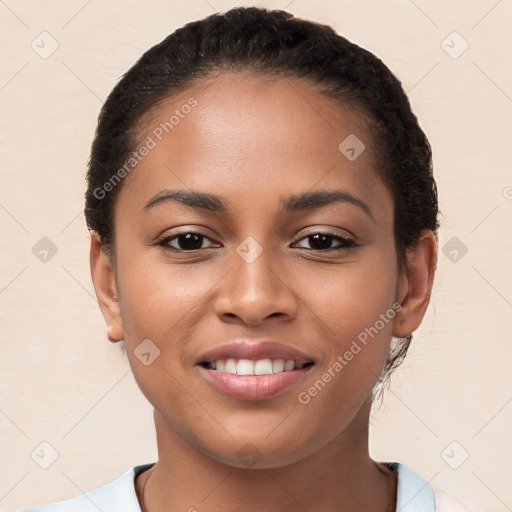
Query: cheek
[(352, 298), (356, 309), (156, 298), (161, 303)]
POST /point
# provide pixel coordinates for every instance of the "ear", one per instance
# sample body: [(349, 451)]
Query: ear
[(415, 284), (103, 278)]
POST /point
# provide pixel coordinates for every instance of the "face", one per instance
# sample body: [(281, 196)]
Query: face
[(246, 239)]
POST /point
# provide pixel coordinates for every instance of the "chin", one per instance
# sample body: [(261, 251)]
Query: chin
[(263, 451)]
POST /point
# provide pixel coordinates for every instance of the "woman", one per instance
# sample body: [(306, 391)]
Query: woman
[(263, 223)]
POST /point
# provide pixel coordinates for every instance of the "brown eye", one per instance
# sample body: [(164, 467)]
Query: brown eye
[(190, 241), (323, 242)]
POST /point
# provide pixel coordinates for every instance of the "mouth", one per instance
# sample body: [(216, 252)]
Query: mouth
[(254, 371), (258, 367)]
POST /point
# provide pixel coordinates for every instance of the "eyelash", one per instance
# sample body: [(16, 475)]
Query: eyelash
[(345, 243)]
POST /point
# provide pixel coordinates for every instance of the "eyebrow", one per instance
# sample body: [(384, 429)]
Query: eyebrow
[(293, 203)]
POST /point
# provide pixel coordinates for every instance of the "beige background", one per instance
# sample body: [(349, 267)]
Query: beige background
[(64, 384)]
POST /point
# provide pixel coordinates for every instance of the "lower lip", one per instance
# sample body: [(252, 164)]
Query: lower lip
[(253, 387)]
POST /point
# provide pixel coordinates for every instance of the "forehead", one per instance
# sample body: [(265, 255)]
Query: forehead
[(248, 134)]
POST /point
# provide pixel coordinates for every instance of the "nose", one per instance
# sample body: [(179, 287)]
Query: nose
[(255, 290)]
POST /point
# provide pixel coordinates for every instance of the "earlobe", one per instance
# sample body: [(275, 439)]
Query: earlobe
[(415, 286), (103, 278)]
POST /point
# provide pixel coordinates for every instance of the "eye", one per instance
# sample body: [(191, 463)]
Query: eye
[(323, 242), (188, 241), (193, 241)]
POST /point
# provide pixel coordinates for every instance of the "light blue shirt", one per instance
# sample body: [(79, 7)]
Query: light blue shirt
[(414, 494)]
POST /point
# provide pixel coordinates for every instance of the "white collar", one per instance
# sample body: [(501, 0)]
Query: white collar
[(414, 494)]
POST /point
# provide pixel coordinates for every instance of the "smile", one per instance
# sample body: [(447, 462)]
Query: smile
[(259, 367), (254, 369)]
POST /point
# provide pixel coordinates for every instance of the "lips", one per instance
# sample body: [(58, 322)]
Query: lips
[(255, 351), (254, 370)]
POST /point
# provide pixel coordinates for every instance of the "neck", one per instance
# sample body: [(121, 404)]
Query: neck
[(341, 476)]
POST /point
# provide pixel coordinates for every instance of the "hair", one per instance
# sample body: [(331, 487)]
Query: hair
[(270, 42)]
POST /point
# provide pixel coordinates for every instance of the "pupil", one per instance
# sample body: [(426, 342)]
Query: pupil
[(189, 241), (320, 241)]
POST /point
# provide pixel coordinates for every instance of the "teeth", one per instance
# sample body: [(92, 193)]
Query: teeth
[(230, 366), (278, 365), (259, 367), (245, 367), (263, 367)]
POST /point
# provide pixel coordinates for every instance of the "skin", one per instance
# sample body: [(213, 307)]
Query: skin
[(253, 140)]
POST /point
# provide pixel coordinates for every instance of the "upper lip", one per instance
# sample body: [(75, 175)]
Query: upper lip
[(254, 350)]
